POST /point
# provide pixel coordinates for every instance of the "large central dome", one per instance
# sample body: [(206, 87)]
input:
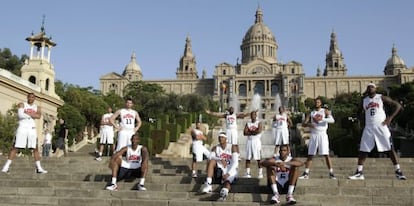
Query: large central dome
[(259, 42)]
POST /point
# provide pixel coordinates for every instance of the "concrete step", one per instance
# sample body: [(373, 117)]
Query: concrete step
[(80, 180)]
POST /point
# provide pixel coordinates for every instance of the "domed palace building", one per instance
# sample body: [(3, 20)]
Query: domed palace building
[(259, 71)]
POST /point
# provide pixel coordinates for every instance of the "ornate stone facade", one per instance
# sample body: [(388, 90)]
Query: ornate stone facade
[(38, 77), (260, 72)]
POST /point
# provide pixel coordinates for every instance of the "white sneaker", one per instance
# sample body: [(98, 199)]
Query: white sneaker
[(275, 199), (41, 171), (247, 175), (141, 188), (5, 170), (206, 188), (304, 176), (223, 195), (357, 176), (400, 175), (260, 176), (112, 187), (194, 175), (290, 200), (98, 159)]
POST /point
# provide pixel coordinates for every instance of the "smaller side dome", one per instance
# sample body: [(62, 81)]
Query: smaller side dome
[(394, 59), (132, 65)]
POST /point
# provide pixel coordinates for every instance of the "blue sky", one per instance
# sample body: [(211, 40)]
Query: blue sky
[(96, 37)]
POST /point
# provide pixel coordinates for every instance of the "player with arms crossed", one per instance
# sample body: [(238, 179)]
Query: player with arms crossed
[(253, 131), (200, 152), (107, 133), (318, 122), (281, 123), (26, 134)]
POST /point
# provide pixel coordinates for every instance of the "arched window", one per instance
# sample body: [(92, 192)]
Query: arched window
[(32, 79), (224, 72), (242, 90), (47, 85), (275, 89), (259, 88), (113, 87)]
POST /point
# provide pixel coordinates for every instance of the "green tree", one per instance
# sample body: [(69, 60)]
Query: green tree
[(86, 102), (8, 126), (148, 98), (114, 100), (405, 95), (194, 102), (11, 62), (74, 120)]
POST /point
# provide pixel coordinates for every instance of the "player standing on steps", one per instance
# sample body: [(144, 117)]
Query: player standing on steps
[(26, 134), (107, 133), (253, 131), (281, 123), (318, 122), (129, 125), (376, 131), (200, 152), (231, 125)]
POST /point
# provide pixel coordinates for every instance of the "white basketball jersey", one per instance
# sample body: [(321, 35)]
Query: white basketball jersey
[(224, 154), (195, 140), (374, 110), (133, 158), (282, 177), (252, 127), (319, 126), (106, 118), (231, 121), (128, 118), (28, 121), (280, 121)]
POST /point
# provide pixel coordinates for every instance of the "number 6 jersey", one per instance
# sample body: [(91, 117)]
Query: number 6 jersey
[(374, 110)]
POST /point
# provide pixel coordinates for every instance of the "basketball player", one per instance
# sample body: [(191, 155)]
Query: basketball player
[(282, 174), (127, 126), (231, 125), (281, 124), (135, 164), (318, 122), (253, 131), (107, 133), (376, 131), (223, 164), (26, 135), (200, 152)]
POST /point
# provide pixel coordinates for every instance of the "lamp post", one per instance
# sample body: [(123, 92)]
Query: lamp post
[(222, 92), (294, 90)]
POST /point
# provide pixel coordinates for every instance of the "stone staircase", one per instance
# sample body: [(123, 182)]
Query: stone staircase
[(80, 180)]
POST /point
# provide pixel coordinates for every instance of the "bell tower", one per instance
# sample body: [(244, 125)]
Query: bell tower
[(187, 68), (335, 65), (38, 68)]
